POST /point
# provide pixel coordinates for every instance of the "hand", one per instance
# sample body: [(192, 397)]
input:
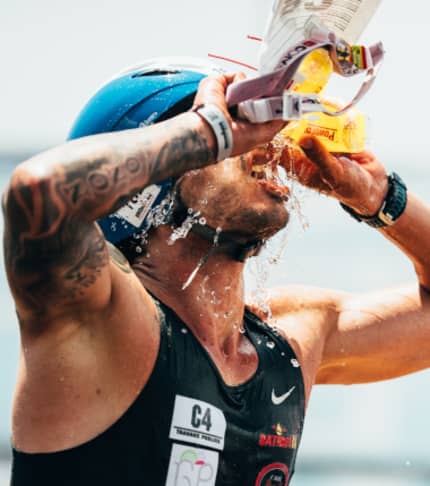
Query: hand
[(246, 135), (357, 180)]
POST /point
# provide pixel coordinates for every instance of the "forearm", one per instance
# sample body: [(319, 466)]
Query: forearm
[(411, 233), (94, 176), (52, 248), (360, 182)]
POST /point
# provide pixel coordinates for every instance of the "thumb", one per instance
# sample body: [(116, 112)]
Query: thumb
[(330, 167)]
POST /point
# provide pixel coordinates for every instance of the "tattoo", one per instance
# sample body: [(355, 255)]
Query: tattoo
[(52, 247), (118, 258)]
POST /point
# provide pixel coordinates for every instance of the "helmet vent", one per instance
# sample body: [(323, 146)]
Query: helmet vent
[(156, 72)]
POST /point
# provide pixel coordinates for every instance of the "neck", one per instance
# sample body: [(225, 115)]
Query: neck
[(212, 305)]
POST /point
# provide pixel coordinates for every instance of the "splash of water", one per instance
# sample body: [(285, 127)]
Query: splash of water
[(157, 216), (205, 257), (277, 172), (193, 217), (162, 213), (261, 266)]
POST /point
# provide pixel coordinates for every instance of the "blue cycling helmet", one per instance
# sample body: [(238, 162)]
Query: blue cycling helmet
[(142, 95)]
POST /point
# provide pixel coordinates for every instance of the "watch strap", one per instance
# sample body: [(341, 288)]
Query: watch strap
[(392, 207), (220, 127)]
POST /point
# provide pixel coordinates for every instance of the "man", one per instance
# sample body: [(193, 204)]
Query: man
[(154, 372)]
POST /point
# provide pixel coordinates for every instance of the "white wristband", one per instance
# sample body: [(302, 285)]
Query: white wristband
[(221, 128)]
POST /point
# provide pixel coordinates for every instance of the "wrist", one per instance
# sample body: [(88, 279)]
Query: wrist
[(204, 132), (219, 125), (392, 207), (374, 201)]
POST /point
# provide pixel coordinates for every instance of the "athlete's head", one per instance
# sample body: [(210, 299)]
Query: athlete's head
[(226, 194), (141, 95)]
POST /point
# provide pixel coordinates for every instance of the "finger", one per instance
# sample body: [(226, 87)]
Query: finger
[(240, 76), (212, 91), (247, 135), (330, 167), (363, 158), (300, 168)]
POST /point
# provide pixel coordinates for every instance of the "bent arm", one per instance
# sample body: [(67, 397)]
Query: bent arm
[(344, 338), (54, 251), (384, 335), (55, 255), (360, 181), (411, 233), (378, 336)]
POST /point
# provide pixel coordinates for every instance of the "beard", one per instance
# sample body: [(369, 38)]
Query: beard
[(229, 198)]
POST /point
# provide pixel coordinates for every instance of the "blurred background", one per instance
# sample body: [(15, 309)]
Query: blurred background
[(54, 55)]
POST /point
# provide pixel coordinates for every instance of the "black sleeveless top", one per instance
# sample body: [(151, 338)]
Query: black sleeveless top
[(187, 427)]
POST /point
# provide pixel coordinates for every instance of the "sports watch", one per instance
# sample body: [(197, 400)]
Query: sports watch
[(392, 207)]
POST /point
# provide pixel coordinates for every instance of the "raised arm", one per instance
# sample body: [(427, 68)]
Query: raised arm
[(360, 182), (56, 257), (368, 337)]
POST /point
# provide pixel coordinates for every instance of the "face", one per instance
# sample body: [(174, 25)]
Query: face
[(236, 196)]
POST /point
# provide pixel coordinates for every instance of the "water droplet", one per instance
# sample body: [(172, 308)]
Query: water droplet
[(259, 341), (270, 344), (202, 221), (214, 299), (182, 231), (242, 330), (282, 354), (295, 363), (408, 463), (184, 330)]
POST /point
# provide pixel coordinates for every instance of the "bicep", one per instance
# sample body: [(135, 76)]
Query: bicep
[(53, 261), (378, 336)]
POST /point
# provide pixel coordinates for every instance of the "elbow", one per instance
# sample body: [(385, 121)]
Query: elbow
[(27, 201)]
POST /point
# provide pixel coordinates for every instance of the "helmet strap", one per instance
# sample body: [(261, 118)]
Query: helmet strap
[(223, 241)]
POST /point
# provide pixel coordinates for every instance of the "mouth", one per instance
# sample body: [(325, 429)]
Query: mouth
[(263, 165)]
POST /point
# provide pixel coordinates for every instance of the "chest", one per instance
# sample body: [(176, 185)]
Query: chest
[(234, 433)]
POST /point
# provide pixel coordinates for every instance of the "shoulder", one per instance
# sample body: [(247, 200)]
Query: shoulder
[(295, 299), (118, 258), (305, 316)]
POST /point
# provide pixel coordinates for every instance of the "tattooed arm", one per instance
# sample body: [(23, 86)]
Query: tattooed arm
[(56, 256)]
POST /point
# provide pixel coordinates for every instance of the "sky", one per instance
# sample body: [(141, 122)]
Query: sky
[(54, 55)]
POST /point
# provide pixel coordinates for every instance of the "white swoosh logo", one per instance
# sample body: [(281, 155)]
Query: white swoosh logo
[(281, 399)]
